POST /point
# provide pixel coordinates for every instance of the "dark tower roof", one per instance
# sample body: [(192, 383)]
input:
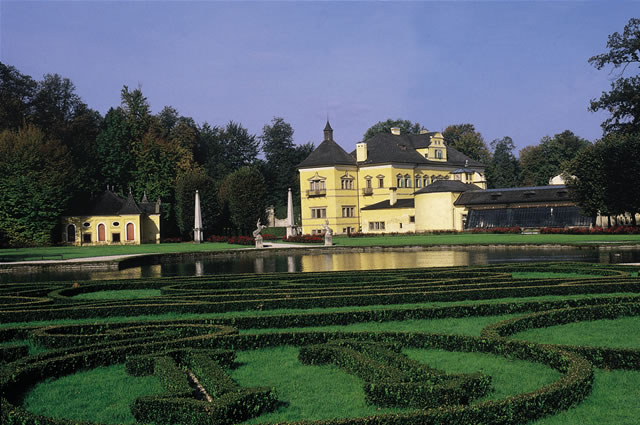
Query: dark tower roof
[(327, 153), (328, 131), (130, 206)]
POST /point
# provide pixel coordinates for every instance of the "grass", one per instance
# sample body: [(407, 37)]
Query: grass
[(615, 399), (101, 395), (484, 239), (68, 252), (460, 326), (310, 392), (508, 376), (177, 316), (550, 275), (123, 294), (617, 333)]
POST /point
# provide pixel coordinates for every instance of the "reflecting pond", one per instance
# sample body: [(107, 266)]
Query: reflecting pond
[(272, 261)]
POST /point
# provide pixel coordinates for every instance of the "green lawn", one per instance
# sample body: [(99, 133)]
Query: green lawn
[(484, 239)]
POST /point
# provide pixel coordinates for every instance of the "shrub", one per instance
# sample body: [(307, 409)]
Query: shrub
[(304, 239)]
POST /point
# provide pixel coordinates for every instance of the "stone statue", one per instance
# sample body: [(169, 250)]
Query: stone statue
[(328, 234), (257, 236)]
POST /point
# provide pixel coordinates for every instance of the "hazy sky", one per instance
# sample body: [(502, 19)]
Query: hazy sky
[(515, 69)]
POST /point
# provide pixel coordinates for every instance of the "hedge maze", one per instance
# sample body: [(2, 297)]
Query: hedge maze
[(189, 337)]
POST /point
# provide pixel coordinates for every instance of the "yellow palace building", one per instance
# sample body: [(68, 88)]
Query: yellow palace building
[(392, 182)]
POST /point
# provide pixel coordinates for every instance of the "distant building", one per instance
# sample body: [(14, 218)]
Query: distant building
[(111, 220), (376, 188)]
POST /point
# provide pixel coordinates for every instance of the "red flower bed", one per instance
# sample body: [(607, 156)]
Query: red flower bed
[(614, 230), (304, 239)]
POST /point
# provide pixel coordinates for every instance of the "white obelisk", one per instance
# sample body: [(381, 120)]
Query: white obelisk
[(197, 227), (291, 228)]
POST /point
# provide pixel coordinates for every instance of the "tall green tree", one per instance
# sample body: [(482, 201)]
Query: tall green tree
[(405, 126), (16, 97), (186, 186), (465, 138), (503, 170), (585, 177), (137, 110), (36, 177), (550, 158), (243, 193), (623, 100), (226, 149), (281, 159), (114, 151)]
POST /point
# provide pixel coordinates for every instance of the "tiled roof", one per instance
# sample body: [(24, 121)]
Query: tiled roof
[(447, 186), (130, 206), (516, 195), (327, 153), (387, 147), (400, 203), (108, 203)]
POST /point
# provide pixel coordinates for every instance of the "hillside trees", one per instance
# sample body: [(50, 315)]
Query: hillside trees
[(465, 138), (405, 126), (281, 159), (622, 100), (36, 183), (540, 163), (503, 169)]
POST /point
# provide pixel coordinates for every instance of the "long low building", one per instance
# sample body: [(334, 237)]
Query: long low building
[(403, 183)]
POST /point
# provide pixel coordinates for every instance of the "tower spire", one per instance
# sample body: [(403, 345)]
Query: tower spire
[(328, 131)]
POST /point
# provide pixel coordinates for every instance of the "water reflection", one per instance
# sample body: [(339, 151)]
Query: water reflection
[(339, 261)]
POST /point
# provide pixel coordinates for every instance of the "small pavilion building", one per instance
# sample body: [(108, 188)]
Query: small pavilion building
[(109, 219)]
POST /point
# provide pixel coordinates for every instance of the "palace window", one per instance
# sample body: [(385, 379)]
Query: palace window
[(376, 225), (347, 183), (380, 181), (348, 211), (318, 213), (399, 180), (407, 180), (317, 185), (425, 181), (368, 183), (469, 177), (418, 181), (438, 154), (412, 219)]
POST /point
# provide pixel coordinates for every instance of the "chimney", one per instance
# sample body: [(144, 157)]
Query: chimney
[(392, 196), (395, 131), (361, 151)]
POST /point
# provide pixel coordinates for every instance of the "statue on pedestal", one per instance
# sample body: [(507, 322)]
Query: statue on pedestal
[(257, 236), (328, 234)]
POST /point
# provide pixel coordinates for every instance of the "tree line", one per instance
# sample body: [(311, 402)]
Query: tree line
[(56, 153)]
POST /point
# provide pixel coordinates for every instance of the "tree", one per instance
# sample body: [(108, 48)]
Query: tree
[(503, 170), (16, 94), (282, 157), (548, 159), (623, 100), (55, 104), (115, 151), (405, 126), (35, 185), (585, 180), (227, 149), (137, 111), (465, 138), (186, 186), (243, 193)]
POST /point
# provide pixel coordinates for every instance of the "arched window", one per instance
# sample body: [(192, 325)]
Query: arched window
[(438, 154), (425, 181), (101, 233), (407, 180), (418, 181), (71, 233), (131, 236), (399, 180)]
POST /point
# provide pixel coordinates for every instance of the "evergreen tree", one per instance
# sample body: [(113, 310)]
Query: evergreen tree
[(503, 170)]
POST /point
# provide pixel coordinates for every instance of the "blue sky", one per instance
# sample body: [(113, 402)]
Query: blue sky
[(515, 69)]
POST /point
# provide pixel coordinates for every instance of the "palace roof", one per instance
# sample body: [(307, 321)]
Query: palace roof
[(515, 195)]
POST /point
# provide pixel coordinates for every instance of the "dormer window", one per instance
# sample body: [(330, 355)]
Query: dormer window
[(438, 154), (346, 183)]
